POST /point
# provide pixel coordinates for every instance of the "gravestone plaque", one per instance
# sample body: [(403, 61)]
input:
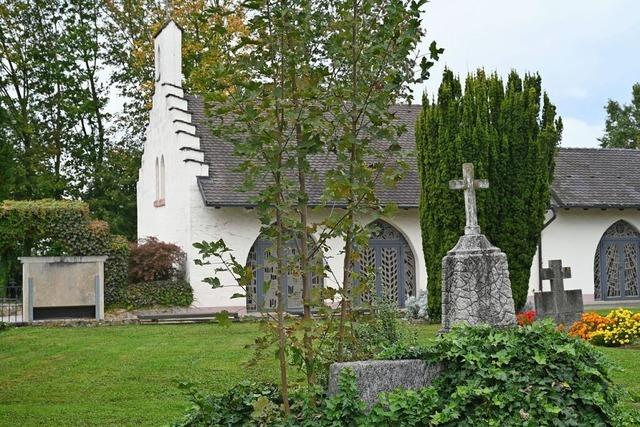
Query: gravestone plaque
[(63, 287), (564, 307), (475, 275)]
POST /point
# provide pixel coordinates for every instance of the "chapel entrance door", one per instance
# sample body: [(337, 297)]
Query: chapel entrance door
[(263, 290), (388, 255), (618, 260)]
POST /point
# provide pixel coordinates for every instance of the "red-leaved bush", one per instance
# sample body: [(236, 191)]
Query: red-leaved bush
[(526, 317), (153, 260)]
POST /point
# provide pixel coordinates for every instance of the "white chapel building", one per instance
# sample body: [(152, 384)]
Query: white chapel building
[(188, 192)]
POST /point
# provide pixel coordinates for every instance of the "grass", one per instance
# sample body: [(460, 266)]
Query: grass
[(128, 375)]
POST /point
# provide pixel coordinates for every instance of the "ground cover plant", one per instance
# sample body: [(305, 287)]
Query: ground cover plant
[(129, 375), (535, 375)]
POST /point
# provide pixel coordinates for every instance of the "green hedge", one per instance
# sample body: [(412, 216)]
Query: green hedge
[(164, 292), (60, 228)]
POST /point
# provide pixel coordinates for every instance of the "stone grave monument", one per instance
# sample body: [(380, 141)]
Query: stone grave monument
[(475, 276), (564, 307), (475, 290), (63, 287)]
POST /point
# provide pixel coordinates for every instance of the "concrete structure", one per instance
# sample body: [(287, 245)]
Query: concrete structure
[(376, 376), (188, 192), (63, 287)]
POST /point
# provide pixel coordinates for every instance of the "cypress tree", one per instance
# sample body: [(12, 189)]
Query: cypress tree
[(510, 133)]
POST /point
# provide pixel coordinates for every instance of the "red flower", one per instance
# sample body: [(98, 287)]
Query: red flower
[(526, 317)]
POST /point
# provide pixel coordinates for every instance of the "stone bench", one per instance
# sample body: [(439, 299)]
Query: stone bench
[(376, 376)]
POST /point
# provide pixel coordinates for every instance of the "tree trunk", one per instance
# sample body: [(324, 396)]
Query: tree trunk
[(282, 333)]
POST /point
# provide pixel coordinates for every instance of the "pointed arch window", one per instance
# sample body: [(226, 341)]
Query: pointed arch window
[(390, 257), (617, 262), (160, 183), (262, 292), (162, 179), (158, 64)]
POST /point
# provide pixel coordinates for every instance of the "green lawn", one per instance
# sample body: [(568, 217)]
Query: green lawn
[(128, 375)]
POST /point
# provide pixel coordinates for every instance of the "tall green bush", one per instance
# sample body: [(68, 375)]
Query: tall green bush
[(61, 227), (510, 133)]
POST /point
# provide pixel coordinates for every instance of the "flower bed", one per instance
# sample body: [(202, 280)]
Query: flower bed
[(619, 327)]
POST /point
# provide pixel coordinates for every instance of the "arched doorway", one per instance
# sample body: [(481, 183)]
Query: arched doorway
[(262, 292), (616, 263), (390, 256)]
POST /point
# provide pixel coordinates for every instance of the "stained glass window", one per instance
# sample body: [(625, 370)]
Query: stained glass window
[(616, 263)]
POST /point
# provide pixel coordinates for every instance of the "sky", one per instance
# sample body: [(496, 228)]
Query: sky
[(586, 51)]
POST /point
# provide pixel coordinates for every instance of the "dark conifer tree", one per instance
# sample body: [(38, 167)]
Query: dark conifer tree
[(510, 133)]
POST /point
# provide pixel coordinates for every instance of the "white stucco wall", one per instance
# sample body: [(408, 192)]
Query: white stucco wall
[(239, 228), (184, 219), (169, 136), (573, 237)]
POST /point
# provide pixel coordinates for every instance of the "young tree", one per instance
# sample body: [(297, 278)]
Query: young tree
[(308, 78), (369, 50), (511, 137), (622, 128)]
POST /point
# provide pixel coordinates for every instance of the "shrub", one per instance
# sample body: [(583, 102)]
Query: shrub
[(166, 293), (617, 328), (244, 404), (532, 375), (526, 317), (417, 308), (529, 376), (370, 333), (152, 260)]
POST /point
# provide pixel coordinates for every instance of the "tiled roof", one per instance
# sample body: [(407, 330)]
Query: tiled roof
[(221, 187), (597, 177), (584, 177)]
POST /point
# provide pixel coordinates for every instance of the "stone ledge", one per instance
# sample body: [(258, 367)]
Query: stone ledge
[(376, 376)]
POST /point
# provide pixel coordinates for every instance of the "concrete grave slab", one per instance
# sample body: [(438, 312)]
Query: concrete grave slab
[(376, 376)]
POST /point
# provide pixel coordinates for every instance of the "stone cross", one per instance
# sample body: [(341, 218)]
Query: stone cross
[(469, 185), (556, 273)]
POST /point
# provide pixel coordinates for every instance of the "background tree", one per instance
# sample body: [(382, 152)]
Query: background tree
[(510, 133), (60, 62), (127, 50), (622, 128)]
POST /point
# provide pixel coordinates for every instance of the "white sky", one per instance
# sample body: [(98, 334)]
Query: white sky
[(586, 51)]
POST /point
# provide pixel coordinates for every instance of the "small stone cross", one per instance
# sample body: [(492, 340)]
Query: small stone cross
[(556, 273), (469, 185), (565, 307)]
